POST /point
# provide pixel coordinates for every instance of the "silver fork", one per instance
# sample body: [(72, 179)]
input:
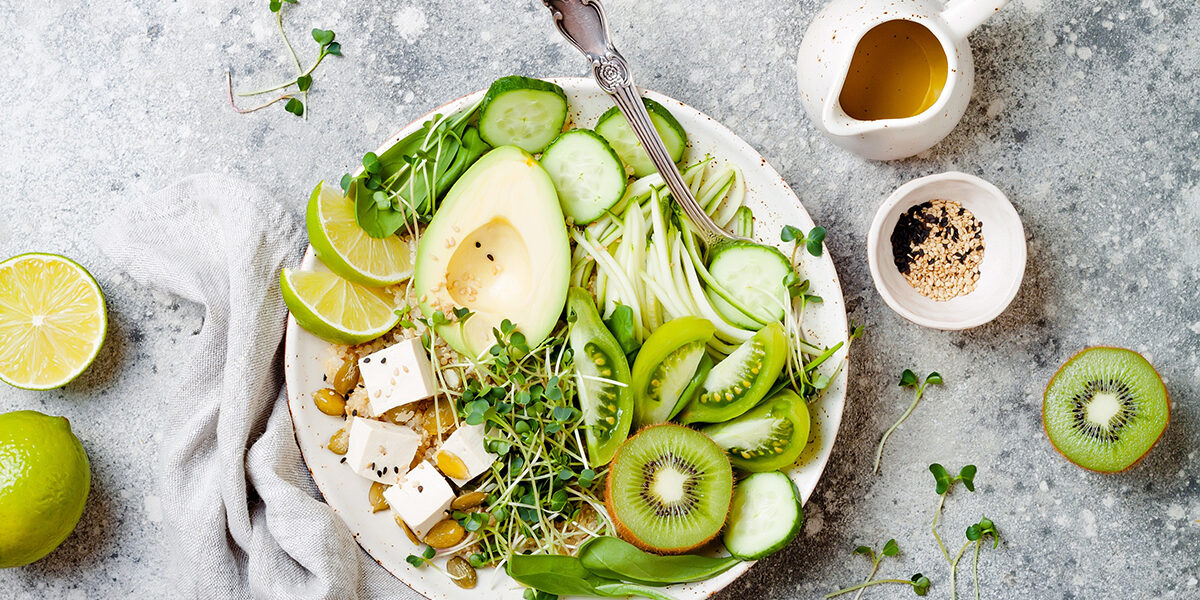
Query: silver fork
[(583, 23)]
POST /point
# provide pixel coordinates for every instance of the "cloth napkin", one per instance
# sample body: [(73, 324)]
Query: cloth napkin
[(242, 516)]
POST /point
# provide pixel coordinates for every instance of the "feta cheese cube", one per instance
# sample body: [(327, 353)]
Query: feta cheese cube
[(397, 375), (463, 456), (421, 498), (381, 451)]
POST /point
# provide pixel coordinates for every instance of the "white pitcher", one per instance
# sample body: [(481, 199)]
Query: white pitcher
[(887, 79)]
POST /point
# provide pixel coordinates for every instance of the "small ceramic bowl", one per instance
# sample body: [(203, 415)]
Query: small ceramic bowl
[(1000, 272)]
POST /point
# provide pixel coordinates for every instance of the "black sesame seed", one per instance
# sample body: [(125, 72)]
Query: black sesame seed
[(367, 359), (478, 245), (490, 257), (343, 461), (383, 361)]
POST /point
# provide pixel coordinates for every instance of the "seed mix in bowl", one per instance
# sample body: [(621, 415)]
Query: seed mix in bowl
[(937, 246)]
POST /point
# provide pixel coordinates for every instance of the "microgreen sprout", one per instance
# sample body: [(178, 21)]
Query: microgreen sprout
[(918, 582), (907, 380), (294, 101), (812, 241), (977, 533)]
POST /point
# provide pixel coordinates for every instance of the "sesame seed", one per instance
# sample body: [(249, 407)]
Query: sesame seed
[(938, 246)]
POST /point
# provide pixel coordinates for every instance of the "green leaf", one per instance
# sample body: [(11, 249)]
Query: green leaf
[(790, 233), (346, 179), (323, 37), (973, 532), (920, 584), (334, 48), (586, 477), (967, 476), (275, 6), (891, 548), (412, 559), (941, 476), (908, 378), (865, 551), (620, 323), (370, 162), (934, 378), (304, 82), (294, 106), (429, 552), (815, 238)]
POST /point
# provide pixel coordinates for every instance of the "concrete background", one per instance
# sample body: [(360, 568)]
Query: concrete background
[(1086, 114)]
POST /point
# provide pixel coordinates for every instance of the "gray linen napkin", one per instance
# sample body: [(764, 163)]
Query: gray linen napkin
[(241, 513)]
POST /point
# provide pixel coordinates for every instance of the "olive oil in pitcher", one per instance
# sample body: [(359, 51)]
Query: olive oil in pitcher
[(897, 71)]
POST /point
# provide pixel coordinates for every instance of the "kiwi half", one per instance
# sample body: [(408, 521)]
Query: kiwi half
[(1105, 409), (669, 489)]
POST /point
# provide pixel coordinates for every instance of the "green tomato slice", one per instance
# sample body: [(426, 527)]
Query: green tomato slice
[(771, 436), (603, 378), (742, 379), (665, 368)]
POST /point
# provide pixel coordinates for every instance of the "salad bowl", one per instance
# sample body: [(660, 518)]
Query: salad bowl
[(774, 205)]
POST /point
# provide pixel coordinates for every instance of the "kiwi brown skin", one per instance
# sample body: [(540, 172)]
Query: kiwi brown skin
[(624, 532), (1046, 392)]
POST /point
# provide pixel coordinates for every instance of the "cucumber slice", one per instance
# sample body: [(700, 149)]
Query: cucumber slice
[(751, 279), (522, 112), (766, 515), (615, 128), (588, 175)]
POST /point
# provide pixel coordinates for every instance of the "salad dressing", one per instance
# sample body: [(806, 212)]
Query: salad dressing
[(897, 71)]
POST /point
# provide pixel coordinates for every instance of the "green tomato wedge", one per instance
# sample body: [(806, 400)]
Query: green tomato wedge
[(665, 367), (741, 379), (337, 310), (603, 378), (770, 436), (522, 112), (766, 514), (614, 127), (346, 249)]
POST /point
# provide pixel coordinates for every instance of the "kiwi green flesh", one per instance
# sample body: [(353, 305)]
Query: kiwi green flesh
[(669, 489), (1105, 409)]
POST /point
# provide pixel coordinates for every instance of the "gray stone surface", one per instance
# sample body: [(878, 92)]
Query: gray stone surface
[(1086, 114)]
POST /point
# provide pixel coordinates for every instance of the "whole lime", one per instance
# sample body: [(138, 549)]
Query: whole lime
[(44, 481)]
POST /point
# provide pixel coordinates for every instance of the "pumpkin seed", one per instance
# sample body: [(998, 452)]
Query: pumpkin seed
[(378, 502), (347, 377), (462, 572), (445, 534), (339, 442), (330, 402), (412, 537), (468, 500)]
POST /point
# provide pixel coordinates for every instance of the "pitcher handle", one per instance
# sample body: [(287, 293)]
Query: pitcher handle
[(963, 16)]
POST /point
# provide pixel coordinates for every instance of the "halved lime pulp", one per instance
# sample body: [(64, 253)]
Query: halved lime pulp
[(52, 321), (337, 310), (346, 249)]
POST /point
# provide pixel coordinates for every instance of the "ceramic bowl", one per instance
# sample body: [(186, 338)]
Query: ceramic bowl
[(1000, 273)]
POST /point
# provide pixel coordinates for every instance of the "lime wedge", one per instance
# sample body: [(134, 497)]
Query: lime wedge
[(337, 310), (52, 321), (346, 249)]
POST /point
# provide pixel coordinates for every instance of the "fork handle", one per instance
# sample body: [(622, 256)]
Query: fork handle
[(585, 26)]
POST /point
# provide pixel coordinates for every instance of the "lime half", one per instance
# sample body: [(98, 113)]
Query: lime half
[(44, 482), (52, 321), (337, 310), (346, 249)]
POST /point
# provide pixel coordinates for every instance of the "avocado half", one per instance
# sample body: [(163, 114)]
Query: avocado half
[(496, 246)]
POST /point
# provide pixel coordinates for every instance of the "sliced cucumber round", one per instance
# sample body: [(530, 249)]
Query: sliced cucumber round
[(615, 128), (587, 173), (766, 515), (770, 436), (522, 112), (751, 284), (740, 380)]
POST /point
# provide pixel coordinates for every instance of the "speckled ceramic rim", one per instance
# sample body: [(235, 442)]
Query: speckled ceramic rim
[(774, 203), (1003, 234)]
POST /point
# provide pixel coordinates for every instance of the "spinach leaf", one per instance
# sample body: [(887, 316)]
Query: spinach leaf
[(620, 323), (566, 576), (614, 558)]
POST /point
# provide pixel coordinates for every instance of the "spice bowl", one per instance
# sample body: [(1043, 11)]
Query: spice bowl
[(1003, 246)]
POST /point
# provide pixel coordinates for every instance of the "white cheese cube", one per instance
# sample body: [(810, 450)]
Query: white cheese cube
[(420, 498), (381, 451), (463, 456), (397, 375)]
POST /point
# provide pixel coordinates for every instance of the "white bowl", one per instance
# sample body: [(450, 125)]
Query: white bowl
[(1000, 273)]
